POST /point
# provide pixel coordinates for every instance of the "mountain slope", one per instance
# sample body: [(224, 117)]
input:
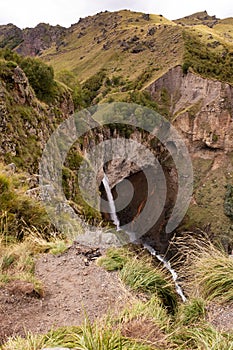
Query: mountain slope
[(134, 47), (124, 43), (182, 69)]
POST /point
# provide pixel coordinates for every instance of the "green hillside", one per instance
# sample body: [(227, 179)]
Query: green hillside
[(125, 44), (135, 49), (126, 51)]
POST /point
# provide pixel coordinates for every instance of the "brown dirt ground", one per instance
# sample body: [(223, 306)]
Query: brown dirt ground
[(221, 316), (73, 286)]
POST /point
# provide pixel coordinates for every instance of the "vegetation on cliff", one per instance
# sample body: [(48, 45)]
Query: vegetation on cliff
[(105, 58)]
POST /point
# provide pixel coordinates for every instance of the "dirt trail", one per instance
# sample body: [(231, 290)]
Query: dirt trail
[(73, 285)]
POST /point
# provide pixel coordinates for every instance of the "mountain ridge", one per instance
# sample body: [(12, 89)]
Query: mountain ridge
[(124, 43), (123, 56)]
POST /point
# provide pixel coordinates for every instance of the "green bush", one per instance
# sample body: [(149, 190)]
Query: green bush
[(206, 60), (142, 98), (40, 76), (6, 73), (19, 213), (185, 67), (70, 79), (91, 87)]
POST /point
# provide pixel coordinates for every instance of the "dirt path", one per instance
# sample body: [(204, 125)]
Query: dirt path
[(74, 284)]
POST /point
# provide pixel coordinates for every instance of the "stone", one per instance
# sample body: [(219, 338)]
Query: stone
[(203, 108)]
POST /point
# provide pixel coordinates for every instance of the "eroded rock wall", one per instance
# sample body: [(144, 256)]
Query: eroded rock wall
[(202, 109)]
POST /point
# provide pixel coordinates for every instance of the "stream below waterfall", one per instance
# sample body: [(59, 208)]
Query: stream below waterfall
[(146, 246)]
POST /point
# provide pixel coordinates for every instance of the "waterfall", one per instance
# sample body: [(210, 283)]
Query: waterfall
[(111, 203), (116, 222), (167, 265)]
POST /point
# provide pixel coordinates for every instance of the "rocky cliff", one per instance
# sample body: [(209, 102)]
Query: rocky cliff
[(25, 122), (31, 41), (202, 110)]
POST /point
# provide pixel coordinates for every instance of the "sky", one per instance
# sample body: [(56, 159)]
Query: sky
[(28, 13)]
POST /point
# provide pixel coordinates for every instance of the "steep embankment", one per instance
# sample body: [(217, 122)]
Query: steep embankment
[(26, 123), (201, 109), (135, 57)]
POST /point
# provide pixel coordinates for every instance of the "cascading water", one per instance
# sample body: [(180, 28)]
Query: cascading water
[(111, 202), (167, 265), (151, 250)]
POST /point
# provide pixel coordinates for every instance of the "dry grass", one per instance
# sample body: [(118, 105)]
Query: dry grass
[(207, 271)]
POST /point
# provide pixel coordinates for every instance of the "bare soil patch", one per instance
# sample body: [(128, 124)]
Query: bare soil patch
[(73, 286)]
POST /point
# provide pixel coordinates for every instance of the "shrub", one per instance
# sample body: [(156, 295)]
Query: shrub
[(185, 67), (91, 87), (18, 213), (115, 259), (68, 78), (206, 60), (40, 76)]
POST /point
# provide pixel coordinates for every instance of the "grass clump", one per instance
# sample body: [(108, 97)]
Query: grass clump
[(97, 338), (87, 337), (191, 312), (18, 212), (25, 231), (153, 309), (207, 270), (200, 337), (115, 259), (140, 275)]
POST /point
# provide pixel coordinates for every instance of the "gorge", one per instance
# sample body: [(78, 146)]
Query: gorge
[(116, 183)]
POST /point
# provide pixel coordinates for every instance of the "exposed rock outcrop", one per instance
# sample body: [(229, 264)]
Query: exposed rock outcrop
[(202, 109), (31, 41), (25, 122)]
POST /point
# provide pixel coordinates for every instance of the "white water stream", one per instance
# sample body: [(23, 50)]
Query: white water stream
[(111, 202), (151, 250), (169, 268)]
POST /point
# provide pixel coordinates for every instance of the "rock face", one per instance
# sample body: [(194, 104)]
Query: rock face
[(31, 41), (133, 160), (199, 18), (11, 36), (43, 36), (200, 108), (25, 122), (23, 93)]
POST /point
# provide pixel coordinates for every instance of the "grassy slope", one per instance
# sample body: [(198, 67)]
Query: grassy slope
[(85, 55), (207, 208)]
